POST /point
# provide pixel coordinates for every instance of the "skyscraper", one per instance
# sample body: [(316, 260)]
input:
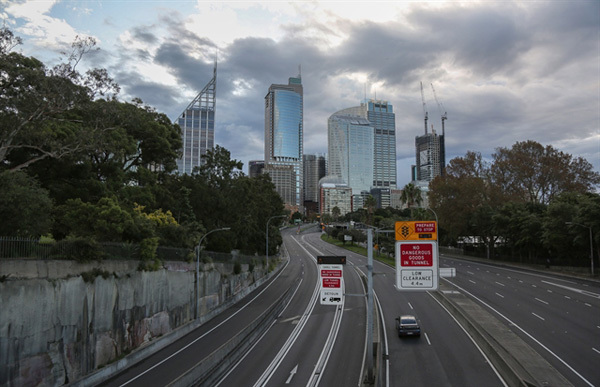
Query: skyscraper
[(430, 156), (284, 139), (381, 116), (350, 142), (314, 170), (197, 124)]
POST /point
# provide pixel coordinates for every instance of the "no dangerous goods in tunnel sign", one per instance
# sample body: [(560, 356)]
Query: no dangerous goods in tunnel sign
[(417, 265)]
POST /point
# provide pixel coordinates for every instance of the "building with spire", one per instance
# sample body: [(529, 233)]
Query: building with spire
[(197, 124), (284, 139)]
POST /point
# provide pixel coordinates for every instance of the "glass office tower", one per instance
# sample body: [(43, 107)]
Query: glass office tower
[(284, 138), (350, 145), (197, 124), (381, 115)]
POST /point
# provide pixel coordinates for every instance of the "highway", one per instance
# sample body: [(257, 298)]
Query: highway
[(558, 316), (310, 344)]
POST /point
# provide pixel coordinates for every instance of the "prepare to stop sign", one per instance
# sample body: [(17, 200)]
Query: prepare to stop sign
[(416, 254)]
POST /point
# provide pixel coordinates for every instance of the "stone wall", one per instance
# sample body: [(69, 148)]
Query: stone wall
[(55, 327)]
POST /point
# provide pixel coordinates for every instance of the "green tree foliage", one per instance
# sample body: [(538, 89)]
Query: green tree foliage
[(38, 105), (25, 207), (519, 203), (537, 174)]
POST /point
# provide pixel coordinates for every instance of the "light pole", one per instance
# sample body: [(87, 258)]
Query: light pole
[(198, 266), (591, 244), (267, 248)]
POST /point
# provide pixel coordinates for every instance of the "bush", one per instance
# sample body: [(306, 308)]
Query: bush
[(78, 249), (237, 268)]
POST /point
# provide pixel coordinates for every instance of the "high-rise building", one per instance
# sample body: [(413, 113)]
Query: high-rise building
[(197, 124), (430, 156), (334, 192), (383, 119), (255, 167), (284, 138), (314, 170), (350, 150)]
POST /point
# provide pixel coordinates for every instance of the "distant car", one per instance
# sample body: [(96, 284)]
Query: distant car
[(407, 326)]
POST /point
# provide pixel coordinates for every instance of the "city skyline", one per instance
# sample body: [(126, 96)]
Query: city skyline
[(505, 72)]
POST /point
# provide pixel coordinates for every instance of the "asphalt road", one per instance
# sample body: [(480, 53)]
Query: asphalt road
[(556, 315), (444, 355), (310, 344)]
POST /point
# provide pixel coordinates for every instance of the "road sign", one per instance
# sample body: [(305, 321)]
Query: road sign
[(416, 254), (331, 296), (416, 231), (417, 265), (331, 260), (331, 277), (331, 283)]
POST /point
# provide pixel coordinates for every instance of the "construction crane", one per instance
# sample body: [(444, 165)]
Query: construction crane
[(424, 107), (441, 107)]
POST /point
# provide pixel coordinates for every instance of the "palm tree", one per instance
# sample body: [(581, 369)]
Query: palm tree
[(370, 204), (411, 195)]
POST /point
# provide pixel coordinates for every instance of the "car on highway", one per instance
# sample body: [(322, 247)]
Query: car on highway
[(408, 325)]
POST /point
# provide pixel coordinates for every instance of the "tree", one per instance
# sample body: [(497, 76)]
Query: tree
[(370, 204), (336, 212), (537, 174), (25, 207), (36, 104), (411, 195)]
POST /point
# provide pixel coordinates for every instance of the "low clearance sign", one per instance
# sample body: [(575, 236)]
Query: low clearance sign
[(416, 265)]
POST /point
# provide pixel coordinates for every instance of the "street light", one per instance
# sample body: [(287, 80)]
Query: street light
[(267, 253), (198, 265), (591, 244)]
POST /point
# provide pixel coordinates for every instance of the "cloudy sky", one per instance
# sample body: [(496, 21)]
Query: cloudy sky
[(504, 71)]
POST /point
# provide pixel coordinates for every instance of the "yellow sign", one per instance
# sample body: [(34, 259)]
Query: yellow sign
[(416, 231)]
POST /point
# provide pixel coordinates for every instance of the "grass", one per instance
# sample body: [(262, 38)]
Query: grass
[(359, 250)]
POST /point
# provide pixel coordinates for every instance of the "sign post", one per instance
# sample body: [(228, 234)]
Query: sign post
[(331, 277), (417, 261)]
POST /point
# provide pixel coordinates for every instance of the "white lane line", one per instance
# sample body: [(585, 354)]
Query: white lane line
[(427, 337), (542, 301), (499, 295), (411, 307), (470, 272), (567, 297), (586, 304), (500, 283), (584, 292), (472, 281), (595, 350), (205, 334), (538, 316), (524, 332)]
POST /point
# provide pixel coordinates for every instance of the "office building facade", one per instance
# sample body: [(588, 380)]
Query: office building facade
[(284, 138), (430, 156), (383, 119), (197, 124)]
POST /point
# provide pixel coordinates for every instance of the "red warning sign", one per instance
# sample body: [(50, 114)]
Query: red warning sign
[(331, 282), (416, 254)]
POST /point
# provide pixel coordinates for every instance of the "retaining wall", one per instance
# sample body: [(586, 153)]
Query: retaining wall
[(55, 327)]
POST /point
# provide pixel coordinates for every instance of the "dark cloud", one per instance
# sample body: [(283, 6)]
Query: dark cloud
[(505, 73)]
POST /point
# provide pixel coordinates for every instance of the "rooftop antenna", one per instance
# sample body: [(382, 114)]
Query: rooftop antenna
[(300, 71)]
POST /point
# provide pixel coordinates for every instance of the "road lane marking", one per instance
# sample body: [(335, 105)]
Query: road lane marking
[(470, 272), (499, 283), (538, 316), (499, 295), (595, 349), (523, 331), (584, 292), (411, 307), (542, 301), (472, 281), (292, 373), (427, 337)]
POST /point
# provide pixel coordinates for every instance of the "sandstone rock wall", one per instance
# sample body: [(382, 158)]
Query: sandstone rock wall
[(55, 330)]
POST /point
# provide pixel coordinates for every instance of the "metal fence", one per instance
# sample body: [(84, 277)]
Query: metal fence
[(13, 247)]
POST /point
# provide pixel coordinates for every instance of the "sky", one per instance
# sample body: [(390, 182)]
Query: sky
[(503, 71)]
